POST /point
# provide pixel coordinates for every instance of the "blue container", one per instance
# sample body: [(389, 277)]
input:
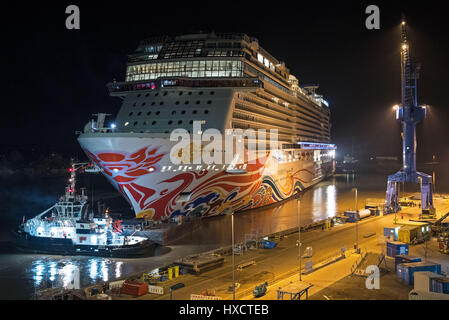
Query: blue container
[(440, 285), (351, 215), (406, 271), (395, 248), (268, 244), (403, 258)]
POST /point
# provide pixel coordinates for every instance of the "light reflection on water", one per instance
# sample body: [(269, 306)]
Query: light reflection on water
[(67, 273)]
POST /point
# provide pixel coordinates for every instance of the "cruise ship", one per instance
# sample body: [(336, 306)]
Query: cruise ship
[(200, 84)]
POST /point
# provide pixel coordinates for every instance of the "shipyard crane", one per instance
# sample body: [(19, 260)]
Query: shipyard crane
[(409, 113)]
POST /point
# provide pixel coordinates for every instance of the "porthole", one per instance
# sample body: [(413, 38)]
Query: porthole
[(206, 111), (177, 102), (183, 112), (165, 93), (190, 93), (130, 114), (148, 113), (135, 123), (166, 131), (194, 111), (173, 112), (212, 92), (143, 103), (209, 102), (145, 123), (157, 93), (180, 122), (147, 95), (140, 113), (161, 103), (180, 93), (138, 96), (200, 93), (153, 123), (187, 102), (191, 121), (153, 103), (170, 122), (197, 101), (158, 112)]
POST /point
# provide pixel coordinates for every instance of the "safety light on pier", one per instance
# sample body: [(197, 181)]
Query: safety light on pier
[(70, 169), (403, 23), (113, 125), (404, 46), (396, 107)]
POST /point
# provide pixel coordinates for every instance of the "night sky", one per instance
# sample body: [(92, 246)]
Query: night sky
[(56, 78)]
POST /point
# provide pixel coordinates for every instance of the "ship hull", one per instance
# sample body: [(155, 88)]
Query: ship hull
[(140, 167), (46, 245)]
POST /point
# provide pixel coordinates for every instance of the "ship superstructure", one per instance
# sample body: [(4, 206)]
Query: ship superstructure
[(224, 82)]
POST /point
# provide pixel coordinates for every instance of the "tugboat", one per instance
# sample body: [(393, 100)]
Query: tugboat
[(67, 228)]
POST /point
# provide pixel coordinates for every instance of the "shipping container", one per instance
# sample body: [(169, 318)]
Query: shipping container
[(404, 258), (423, 280), (405, 271), (409, 234), (391, 231), (134, 288), (421, 295), (395, 248), (440, 285)]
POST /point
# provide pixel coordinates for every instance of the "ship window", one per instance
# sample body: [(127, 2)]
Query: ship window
[(148, 113), (170, 122), (177, 102), (140, 112), (147, 95), (180, 122), (191, 121), (138, 96), (161, 103), (144, 123), (187, 102), (153, 103), (212, 92), (206, 111), (190, 93), (200, 93), (198, 102), (153, 123), (165, 93), (183, 112), (180, 93), (158, 112), (173, 112), (194, 111), (130, 114), (157, 93), (143, 103), (209, 102), (135, 123), (166, 131)]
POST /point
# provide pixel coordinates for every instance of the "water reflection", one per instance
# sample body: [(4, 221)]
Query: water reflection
[(65, 273)]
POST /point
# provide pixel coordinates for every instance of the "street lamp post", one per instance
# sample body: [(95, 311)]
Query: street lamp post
[(356, 222), (299, 239)]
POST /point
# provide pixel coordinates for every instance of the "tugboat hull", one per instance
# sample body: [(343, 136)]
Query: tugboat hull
[(45, 245)]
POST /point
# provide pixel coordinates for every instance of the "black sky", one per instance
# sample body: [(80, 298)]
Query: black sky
[(55, 78)]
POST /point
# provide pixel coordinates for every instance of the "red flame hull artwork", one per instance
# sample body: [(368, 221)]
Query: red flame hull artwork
[(141, 170)]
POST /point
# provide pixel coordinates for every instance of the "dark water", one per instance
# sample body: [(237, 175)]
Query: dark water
[(22, 274)]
